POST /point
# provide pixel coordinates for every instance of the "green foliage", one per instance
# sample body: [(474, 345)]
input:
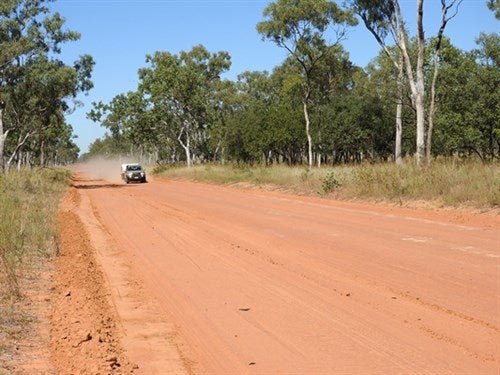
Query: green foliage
[(107, 147), (330, 183), (299, 28), (299, 25), (37, 89), (469, 101), (178, 100), (494, 6)]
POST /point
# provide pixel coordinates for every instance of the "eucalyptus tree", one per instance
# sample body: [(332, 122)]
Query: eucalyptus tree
[(330, 82), (115, 115), (300, 27), (30, 37), (378, 17), (396, 101), (184, 86), (486, 84), (54, 146), (385, 17), (226, 101), (40, 98), (247, 139)]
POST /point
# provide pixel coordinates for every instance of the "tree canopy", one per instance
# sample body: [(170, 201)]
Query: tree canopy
[(315, 107), (36, 88)]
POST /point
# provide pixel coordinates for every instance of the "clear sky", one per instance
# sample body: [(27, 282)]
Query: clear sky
[(119, 34)]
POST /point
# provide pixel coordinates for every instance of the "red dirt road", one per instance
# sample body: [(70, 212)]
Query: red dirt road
[(247, 281)]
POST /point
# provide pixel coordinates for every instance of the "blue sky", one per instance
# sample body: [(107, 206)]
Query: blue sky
[(119, 34)]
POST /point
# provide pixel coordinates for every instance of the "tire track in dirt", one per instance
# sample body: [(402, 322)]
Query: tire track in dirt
[(146, 335), (254, 284)]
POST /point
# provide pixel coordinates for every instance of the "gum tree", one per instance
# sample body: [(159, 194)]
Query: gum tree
[(30, 37), (300, 27), (385, 17), (185, 86)]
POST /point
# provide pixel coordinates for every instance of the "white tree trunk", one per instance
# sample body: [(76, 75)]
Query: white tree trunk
[(185, 146), (432, 109), (417, 86), (308, 134), (42, 154), (420, 95), (399, 112), (20, 143), (188, 153), (420, 154), (3, 136)]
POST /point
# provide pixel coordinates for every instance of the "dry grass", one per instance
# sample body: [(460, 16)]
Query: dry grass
[(28, 237), (28, 201), (444, 183)]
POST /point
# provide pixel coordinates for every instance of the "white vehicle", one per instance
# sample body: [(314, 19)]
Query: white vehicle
[(133, 172)]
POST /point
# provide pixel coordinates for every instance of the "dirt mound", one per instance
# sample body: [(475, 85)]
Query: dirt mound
[(85, 336)]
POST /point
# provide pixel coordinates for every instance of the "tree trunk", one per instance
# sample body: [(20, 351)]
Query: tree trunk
[(432, 109), (417, 87), (20, 143), (185, 146), (399, 112), (214, 159), (188, 152), (308, 133), (420, 154), (420, 94), (3, 136), (42, 154)]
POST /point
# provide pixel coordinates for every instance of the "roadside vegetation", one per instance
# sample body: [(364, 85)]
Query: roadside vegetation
[(28, 202), (28, 237), (37, 89), (464, 183)]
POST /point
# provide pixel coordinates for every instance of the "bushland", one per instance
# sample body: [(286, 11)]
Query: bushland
[(446, 182)]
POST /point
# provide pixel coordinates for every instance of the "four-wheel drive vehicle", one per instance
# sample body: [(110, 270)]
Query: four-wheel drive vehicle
[(133, 172)]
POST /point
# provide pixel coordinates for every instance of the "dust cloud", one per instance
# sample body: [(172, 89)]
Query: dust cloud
[(100, 168)]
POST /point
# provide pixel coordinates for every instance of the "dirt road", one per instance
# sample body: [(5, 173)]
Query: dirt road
[(247, 281)]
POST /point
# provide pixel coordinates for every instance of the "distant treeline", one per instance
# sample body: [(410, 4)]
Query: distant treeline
[(317, 106), (420, 96)]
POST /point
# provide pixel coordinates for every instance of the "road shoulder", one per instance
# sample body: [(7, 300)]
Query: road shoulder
[(151, 342)]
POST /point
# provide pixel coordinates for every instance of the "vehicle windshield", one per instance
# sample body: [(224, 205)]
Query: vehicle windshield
[(133, 168)]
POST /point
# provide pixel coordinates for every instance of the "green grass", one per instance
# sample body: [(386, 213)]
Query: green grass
[(445, 182), (28, 202)]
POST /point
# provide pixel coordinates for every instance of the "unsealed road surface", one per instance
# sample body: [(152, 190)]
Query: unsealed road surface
[(268, 283)]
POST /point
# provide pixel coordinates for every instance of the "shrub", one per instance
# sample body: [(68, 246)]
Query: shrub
[(330, 183)]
